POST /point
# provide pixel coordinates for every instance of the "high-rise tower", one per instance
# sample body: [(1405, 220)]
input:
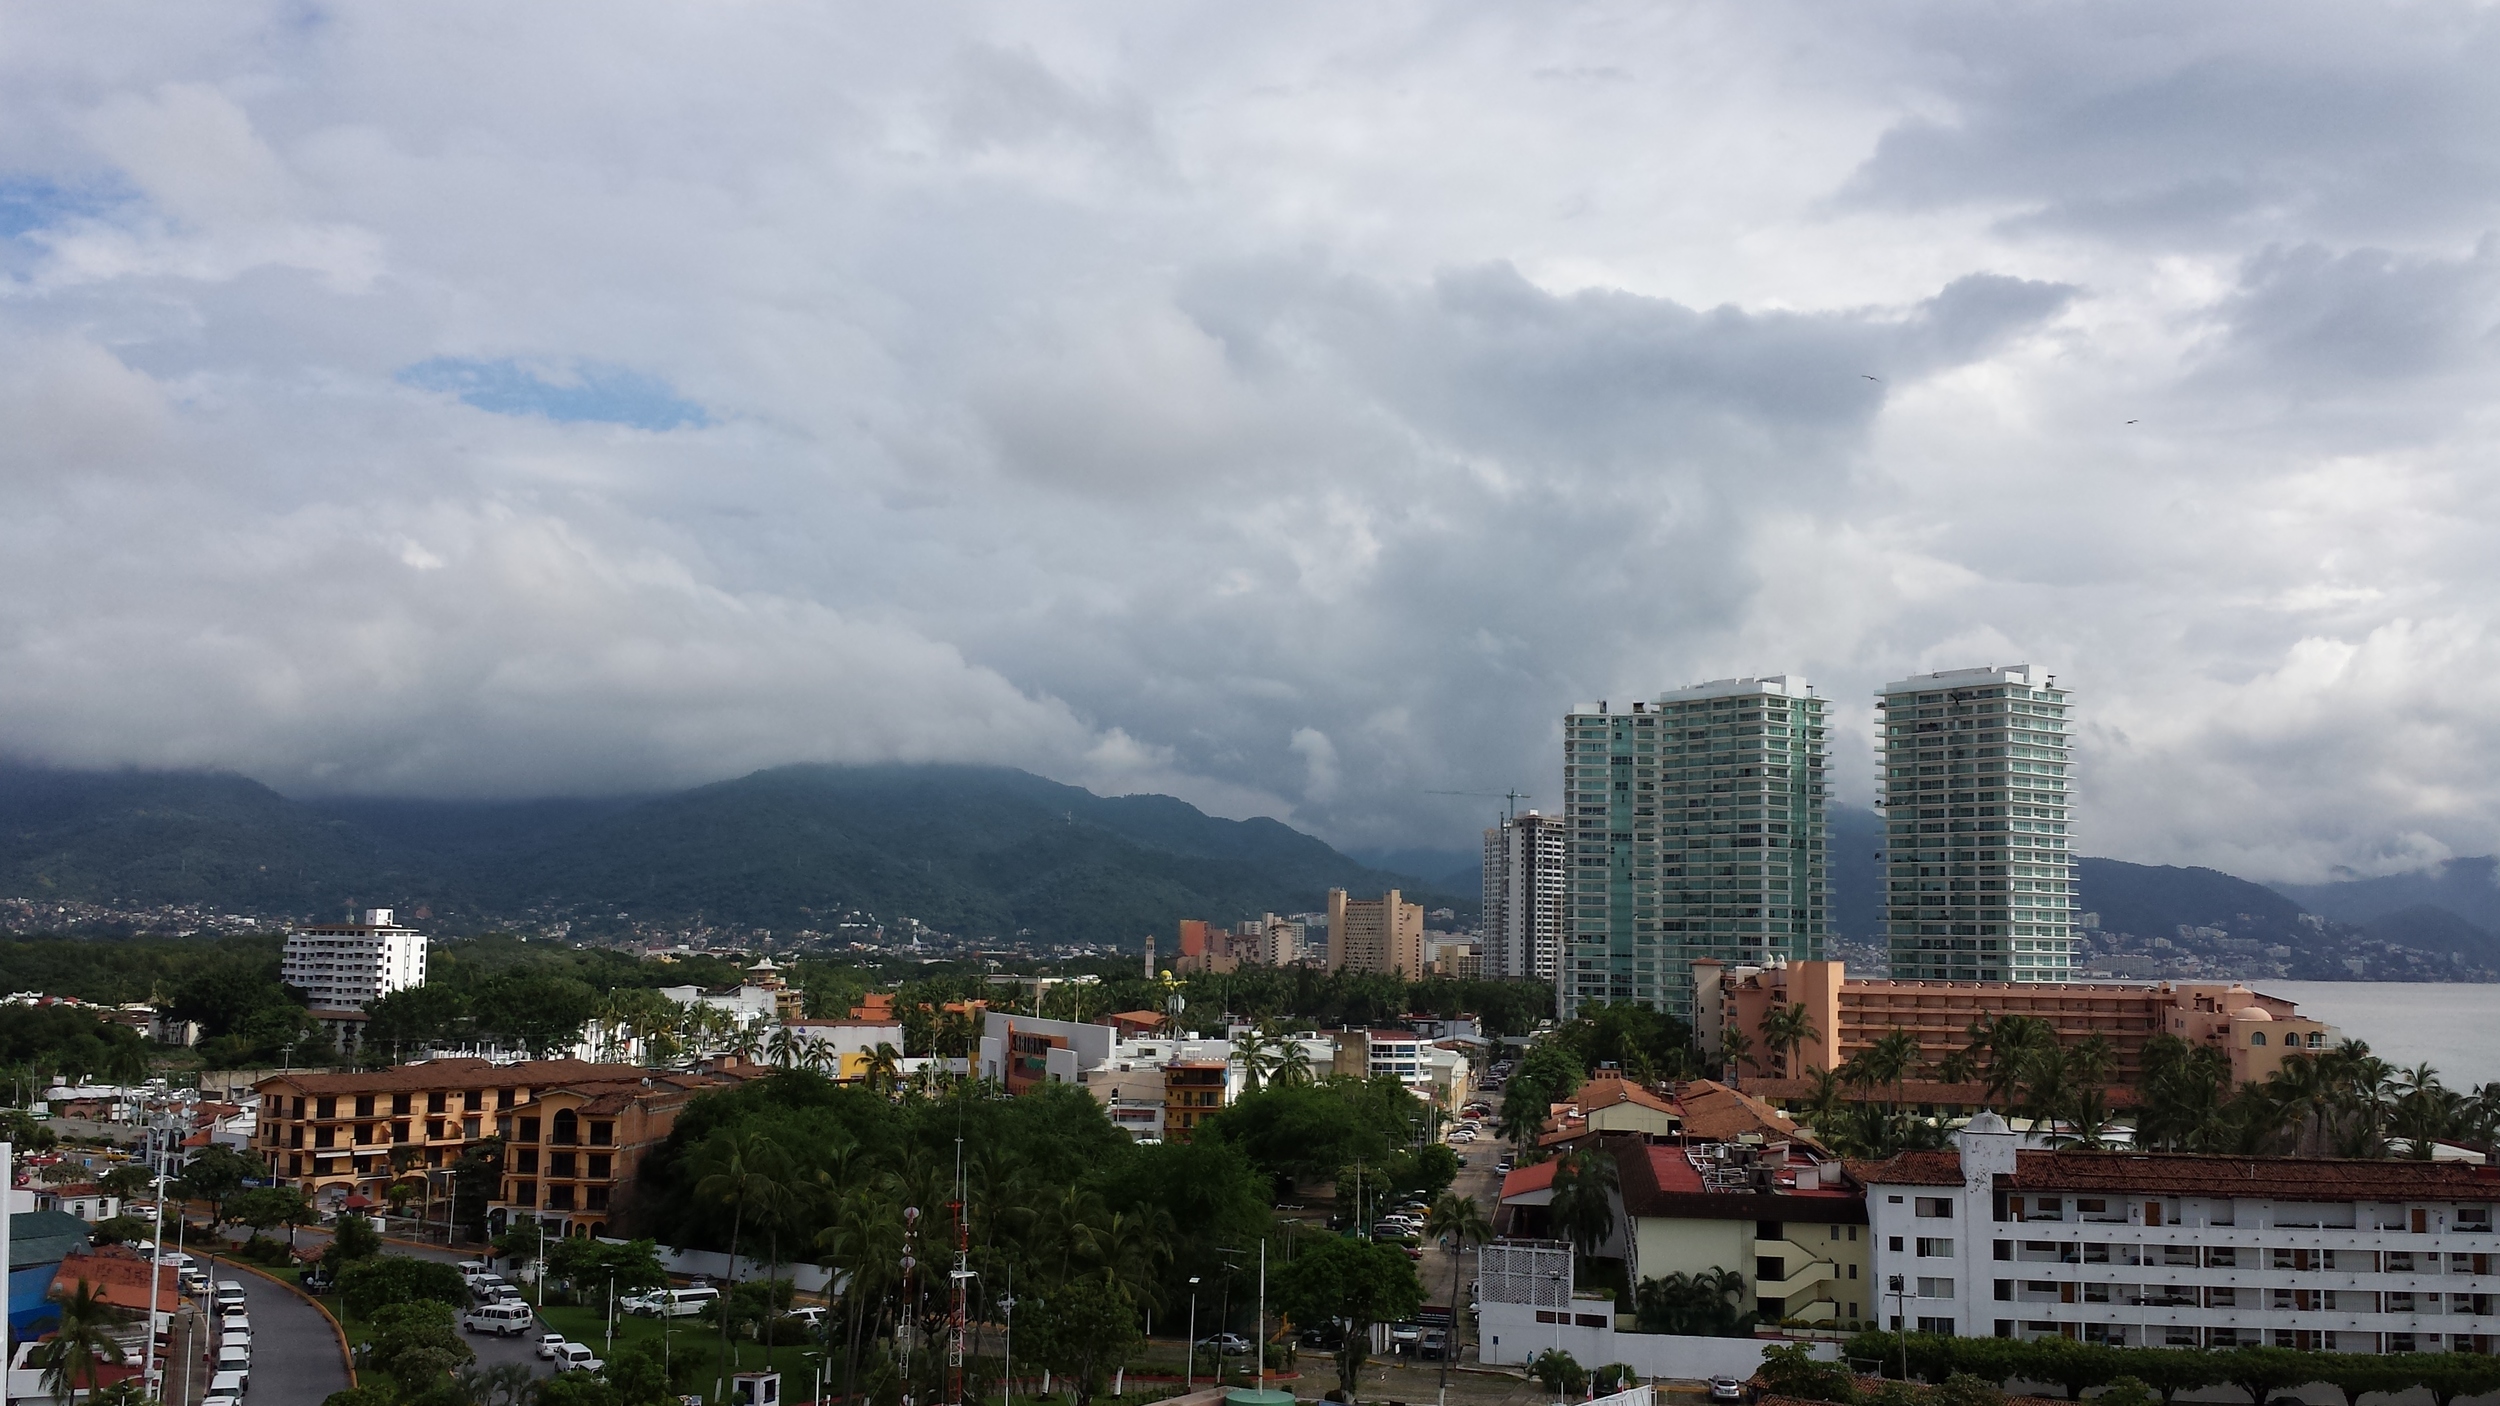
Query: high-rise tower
[(1697, 830), (1979, 880), (1527, 895)]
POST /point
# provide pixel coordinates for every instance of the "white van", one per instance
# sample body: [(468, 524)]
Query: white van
[(229, 1384), (504, 1320), (234, 1357), (672, 1303)]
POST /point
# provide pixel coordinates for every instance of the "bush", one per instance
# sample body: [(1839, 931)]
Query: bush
[(1791, 1370), (1558, 1372), (2127, 1391), (1963, 1389), (1894, 1392)]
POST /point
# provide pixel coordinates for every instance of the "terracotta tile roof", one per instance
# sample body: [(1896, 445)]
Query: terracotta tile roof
[(1713, 1112), (2196, 1174), (119, 1277), (1606, 1091), (2278, 1178), (1659, 1182), (456, 1074), (1909, 1169), (1913, 1092)]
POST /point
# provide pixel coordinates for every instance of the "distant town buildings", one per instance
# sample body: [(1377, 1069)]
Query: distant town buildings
[(1527, 896), (1847, 1015), (1384, 934), (1698, 829), (1979, 879), (349, 966)]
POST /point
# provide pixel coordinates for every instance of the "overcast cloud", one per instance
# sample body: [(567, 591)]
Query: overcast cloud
[(1292, 407)]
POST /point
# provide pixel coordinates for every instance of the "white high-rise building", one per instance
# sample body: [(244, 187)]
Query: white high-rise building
[(1527, 896), (1979, 881), (1698, 825), (349, 966)]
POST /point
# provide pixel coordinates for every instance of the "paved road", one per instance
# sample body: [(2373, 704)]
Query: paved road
[(491, 1351), (295, 1357)]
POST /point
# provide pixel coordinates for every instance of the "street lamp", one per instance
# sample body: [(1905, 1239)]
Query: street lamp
[(1899, 1289), (1189, 1374), (1007, 1378), (1562, 1311)]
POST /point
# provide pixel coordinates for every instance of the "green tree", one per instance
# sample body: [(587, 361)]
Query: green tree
[(1791, 1370), (413, 1341), (1081, 1330), (2355, 1374), (2075, 1366), (367, 1285), (2171, 1371), (1558, 1370), (83, 1345), (352, 1240), (264, 1207), (213, 1174), (2263, 1371), (1350, 1283)]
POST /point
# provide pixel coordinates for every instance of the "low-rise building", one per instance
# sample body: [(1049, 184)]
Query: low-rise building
[(337, 1136), (2180, 1250), (1194, 1090), (1849, 1014)]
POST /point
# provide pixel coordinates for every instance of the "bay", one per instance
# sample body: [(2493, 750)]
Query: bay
[(2452, 1026)]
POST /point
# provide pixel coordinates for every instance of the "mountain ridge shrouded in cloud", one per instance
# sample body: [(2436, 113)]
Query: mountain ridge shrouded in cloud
[(1293, 413), (977, 851)]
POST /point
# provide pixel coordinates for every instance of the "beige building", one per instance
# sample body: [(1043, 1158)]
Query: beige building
[(1384, 934)]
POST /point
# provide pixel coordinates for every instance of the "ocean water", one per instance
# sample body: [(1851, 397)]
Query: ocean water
[(2454, 1027)]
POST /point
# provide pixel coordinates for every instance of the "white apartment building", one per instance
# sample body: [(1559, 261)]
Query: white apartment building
[(2182, 1250), (1527, 896), (1698, 829), (349, 966), (1980, 881)]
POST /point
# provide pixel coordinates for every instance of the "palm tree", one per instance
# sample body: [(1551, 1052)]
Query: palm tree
[(1957, 1067), (1824, 1104), (1461, 1222), (882, 1073), (1293, 1065), (1735, 1048), (1582, 1209), (1256, 1052), (1785, 1030), (743, 1170), (1890, 1060), (784, 1047), (83, 1346)]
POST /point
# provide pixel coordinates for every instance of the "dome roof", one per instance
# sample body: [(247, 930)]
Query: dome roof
[(2252, 1013), (1986, 1121)]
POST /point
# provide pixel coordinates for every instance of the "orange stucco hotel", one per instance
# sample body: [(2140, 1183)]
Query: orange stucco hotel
[(1851, 1015)]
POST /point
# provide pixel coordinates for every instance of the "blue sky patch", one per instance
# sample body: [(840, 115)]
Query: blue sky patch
[(29, 203), (583, 391)]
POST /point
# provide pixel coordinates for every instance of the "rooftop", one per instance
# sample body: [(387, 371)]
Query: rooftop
[(2199, 1174)]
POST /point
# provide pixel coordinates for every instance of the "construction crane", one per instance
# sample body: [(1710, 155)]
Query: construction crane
[(1511, 797)]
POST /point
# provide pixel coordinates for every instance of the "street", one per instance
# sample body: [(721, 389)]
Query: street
[(295, 1361)]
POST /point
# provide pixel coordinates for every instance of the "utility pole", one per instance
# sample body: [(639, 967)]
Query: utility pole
[(1258, 1340), (963, 1286)]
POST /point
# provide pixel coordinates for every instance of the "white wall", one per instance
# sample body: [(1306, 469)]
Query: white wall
[(1511, 1336)]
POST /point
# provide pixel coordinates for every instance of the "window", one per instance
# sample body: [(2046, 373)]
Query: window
[(1896, 1244), (327, 1107), (1943, 1327), (364, 1105), (1935, 1207), (1935, 1288), (399, 1105), (567, 1129), (434, 1101), (1769, 1268), (1935, 1248), (2256, 1037), (602, 1133)]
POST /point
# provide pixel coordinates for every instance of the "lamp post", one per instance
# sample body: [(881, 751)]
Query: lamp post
[(1007, 1378), (1562, 1311), (1189, 1374), (1899, 1289)]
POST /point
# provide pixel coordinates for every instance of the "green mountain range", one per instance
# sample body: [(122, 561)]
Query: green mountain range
[(980, 852)]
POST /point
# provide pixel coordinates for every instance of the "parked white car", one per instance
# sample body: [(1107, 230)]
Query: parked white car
[(549, 1344), (235, 1384), (573, 1357), (504, 1320), (237, 1322)]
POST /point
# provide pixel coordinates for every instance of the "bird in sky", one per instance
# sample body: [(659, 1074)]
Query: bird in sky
[(1871, 378)]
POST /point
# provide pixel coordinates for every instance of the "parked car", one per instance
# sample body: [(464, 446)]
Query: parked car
[(670, 1303), (1435, 1342), (230, 1296), (1229, 1344), (504, 1320), (232, 1385), (549, 1344), (573, 1357), (236, 1322), (1726, 1388), (221, 1401), (235, 1357)]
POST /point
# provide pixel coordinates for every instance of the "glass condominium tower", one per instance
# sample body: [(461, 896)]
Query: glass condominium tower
[(1697, 830), (1979, 881)]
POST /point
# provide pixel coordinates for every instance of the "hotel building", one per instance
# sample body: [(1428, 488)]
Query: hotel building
[(1979, 879), (1384, 934), (349, 966), (1697, 830), (2178, 1250)]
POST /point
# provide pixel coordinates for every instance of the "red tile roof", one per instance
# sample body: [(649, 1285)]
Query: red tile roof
[(1522, 1180), (1713, 1112), (456, 1074), (1659, 1182), (2197, 1174)]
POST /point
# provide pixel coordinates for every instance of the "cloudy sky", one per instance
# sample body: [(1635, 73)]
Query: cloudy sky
[(1294, 407)]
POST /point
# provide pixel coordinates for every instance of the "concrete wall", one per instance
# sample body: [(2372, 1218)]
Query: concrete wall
[(1512, 1336)]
